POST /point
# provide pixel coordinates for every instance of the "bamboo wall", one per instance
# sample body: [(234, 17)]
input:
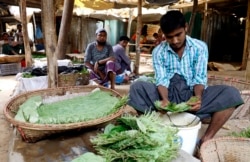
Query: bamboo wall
[(224, 36), (81, 33)]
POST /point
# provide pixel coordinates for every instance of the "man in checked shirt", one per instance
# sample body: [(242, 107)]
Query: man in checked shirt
[(180, 65)]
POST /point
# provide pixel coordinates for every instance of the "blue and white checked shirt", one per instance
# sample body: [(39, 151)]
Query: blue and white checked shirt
[(192, 66)]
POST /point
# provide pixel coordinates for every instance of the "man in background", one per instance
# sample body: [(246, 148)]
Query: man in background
[(100, 60), (122, 62)]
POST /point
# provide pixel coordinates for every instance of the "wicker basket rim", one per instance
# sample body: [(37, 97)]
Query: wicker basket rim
[(228, 78), (225, 138), (68, 126)]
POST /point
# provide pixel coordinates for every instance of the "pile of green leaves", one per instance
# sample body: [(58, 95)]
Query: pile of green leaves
[(138, 139), (84, 70), (245, 133), (27, 75), (176, 108), (38, 55), (81, 108)]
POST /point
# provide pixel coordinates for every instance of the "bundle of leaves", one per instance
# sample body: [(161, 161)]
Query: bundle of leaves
[(138, 139), (176, 108)]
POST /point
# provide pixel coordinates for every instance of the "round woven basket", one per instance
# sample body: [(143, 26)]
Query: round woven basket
[(229, 149), (14, 58), (2, 59), (33, 132), (226, 149)]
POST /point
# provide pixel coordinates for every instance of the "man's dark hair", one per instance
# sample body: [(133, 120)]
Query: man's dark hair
[(172, 20), (124, 38)]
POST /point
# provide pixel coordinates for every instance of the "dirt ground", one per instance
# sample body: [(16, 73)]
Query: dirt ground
[(8, 83)]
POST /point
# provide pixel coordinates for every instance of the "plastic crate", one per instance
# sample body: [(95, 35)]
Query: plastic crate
[(8, 69)]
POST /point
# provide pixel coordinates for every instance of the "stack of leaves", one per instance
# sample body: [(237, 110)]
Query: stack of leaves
[(140, 139), (176, 108), (95, 105), (28, 110)]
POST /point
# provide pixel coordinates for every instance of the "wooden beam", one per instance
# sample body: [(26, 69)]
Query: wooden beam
[(29, 3), (49, 26), (23, 15)]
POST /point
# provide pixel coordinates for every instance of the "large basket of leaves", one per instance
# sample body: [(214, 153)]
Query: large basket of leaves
[(226, 149), (42, 113)]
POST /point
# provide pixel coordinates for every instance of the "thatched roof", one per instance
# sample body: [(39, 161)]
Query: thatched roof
[(106, 9), (4, 11), (99, 8), (98, 4), (126, 3)]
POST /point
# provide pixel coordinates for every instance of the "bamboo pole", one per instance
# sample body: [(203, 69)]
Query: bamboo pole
[(192, 18), (23, 15), (34, 29), (64, 28), (204, 25), (138, 35), (246, 54)]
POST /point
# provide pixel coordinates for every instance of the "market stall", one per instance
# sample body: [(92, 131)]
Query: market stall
[(36, 78), (10, 64)]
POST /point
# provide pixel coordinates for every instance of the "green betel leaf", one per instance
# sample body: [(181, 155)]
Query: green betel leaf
[(173, 107)]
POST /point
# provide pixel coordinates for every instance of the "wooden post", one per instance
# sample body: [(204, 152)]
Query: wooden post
[(138, 35), (49, 26), (64, 28), (246, 54), (34, 28), (23, 15), (129, 26)]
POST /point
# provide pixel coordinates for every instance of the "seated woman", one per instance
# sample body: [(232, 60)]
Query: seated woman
[(6, 47), (99, 58)]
